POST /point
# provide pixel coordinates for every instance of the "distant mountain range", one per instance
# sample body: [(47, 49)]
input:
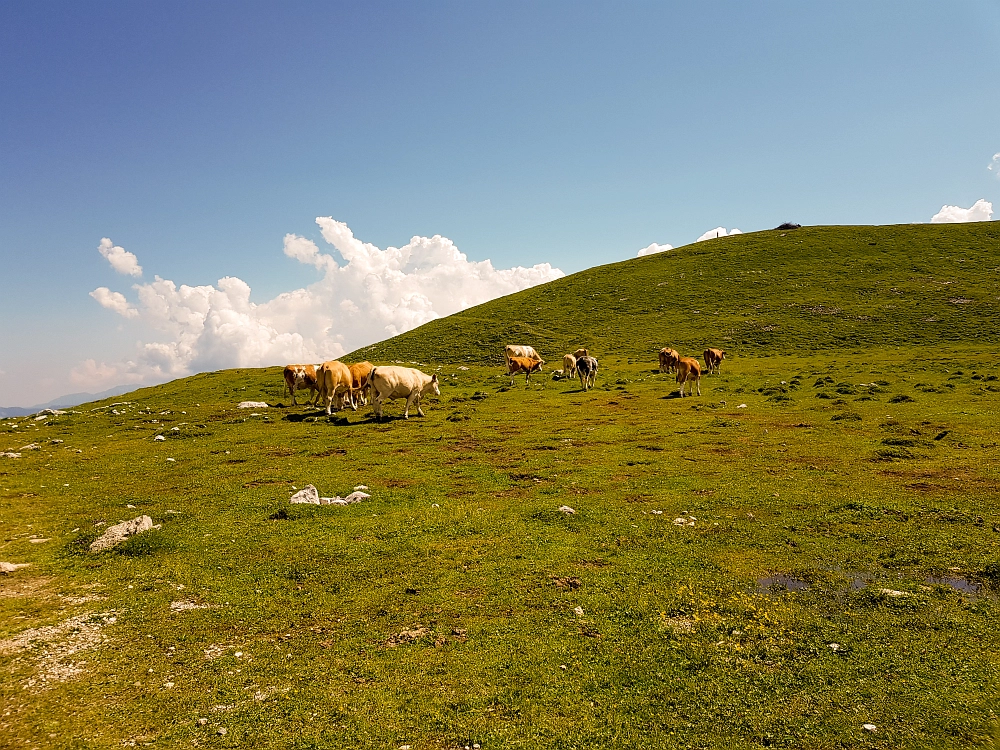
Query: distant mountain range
[(62, 402)]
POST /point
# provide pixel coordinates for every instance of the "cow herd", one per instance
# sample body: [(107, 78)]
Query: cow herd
[(336, 383)]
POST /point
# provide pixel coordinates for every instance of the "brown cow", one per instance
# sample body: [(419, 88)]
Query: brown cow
[(301, 376), (668, 359), (525, 365), (335, 382), (713, 360), (359, 381), (581, 353), (689, 371)]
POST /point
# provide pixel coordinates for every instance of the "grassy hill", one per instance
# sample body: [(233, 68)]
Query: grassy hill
[(807, 548), (766, 293)]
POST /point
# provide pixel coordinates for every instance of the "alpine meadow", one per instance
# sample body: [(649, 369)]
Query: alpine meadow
[(804, 556)]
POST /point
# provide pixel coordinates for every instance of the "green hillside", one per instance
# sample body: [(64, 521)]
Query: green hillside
[(805, 556), (766, 293)]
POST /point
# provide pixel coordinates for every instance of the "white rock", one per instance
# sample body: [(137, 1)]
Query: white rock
[(742, 406), (120, 532), (357, 497), (462, 367), (130, 506), (53, 412), (6, 567), (171, 459), (680, 522), (29, 447), (657, 512), (10, 454), (567, 510), (159, 437), (168, 685), (361, 487), (895, 594), (252, 405), (834, 646), (175, 429), (578, 611), (309, 495), (869, 727), (39, 419)]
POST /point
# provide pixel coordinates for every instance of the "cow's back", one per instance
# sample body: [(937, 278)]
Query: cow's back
[(393, 378)]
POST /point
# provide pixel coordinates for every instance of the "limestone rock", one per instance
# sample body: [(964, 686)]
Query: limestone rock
[(6, 567), (120, 532), (252, 405), (309, 495)]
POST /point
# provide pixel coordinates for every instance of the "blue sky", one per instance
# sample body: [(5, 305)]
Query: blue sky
[(198, 135)]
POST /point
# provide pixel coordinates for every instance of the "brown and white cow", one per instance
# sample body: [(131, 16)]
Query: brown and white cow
[(569, 365), (586, 368), (689, 371), (360, 373), (526, 365), (300, 377), (713, 359), (335, 383), (390, 382), (668, 359), (514, 350)]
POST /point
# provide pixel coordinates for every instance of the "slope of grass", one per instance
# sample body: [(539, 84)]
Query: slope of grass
[(841, 569), (766, 292)]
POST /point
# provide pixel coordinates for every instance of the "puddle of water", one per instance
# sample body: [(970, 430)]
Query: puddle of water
[(775, 583), (956, 582)]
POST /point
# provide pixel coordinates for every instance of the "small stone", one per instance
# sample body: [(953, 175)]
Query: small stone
[(130, 506), (657, 512), (361, 487), (252, 405), (834, 646), (171, 459), (238, 654), (159, 437), (168, 685), (202, 721), (6, 567), (357, 497), (567, 510), (869, 727), (680, 522), (578, 611), (120, 532), (223, 731), (742, 406)]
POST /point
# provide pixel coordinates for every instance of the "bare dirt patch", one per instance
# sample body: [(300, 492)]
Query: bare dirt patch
[(50, 649)]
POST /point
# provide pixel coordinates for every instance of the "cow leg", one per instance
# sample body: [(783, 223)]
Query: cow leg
[(406, 411), (698, 383), (420, 412)]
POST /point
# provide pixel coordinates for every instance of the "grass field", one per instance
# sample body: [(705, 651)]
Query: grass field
[(838, 565)]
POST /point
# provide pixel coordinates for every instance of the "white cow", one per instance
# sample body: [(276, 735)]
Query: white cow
[(388, 383), (514, 350)]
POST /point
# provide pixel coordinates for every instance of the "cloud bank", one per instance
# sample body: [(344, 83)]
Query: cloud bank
[(653, 248), (981, 210), (711, 234), (366, 295), (120, 259)]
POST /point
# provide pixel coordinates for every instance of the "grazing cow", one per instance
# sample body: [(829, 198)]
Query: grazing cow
[(359, 381), (668, 359), (569, 365), (300, 376), (586, 368), (513, 350), (389, 383), (335, 383), (525, 365), (689, 371), (581, 353), (713, 359)]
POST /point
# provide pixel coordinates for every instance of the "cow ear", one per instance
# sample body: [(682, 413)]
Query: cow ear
[(434, 377)]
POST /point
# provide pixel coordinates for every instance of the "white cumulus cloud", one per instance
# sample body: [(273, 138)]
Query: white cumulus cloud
[(371, 295), (981, 210), (711, 234), (114, 301), (120, 259), (994, 165), (653, 248)]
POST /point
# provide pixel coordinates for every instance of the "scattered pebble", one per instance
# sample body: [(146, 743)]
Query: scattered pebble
[(202, 721), (168, 685), (834, 646), (567, 510), (742, 406), (171, 459), (657, 512), (869, 727), (252, 405), (223, 731), (578, 611), (6, 567)]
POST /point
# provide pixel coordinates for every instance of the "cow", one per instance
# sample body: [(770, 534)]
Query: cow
[(689, 371), (390, 382), (513, 350), (335, 382), (586, 368), (569, 365), (668, 359), (581, 353), (300, 376), (360, 373), (713, 360), (525, 365)]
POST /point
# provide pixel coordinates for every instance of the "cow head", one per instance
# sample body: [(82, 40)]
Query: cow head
[(434, 385)]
